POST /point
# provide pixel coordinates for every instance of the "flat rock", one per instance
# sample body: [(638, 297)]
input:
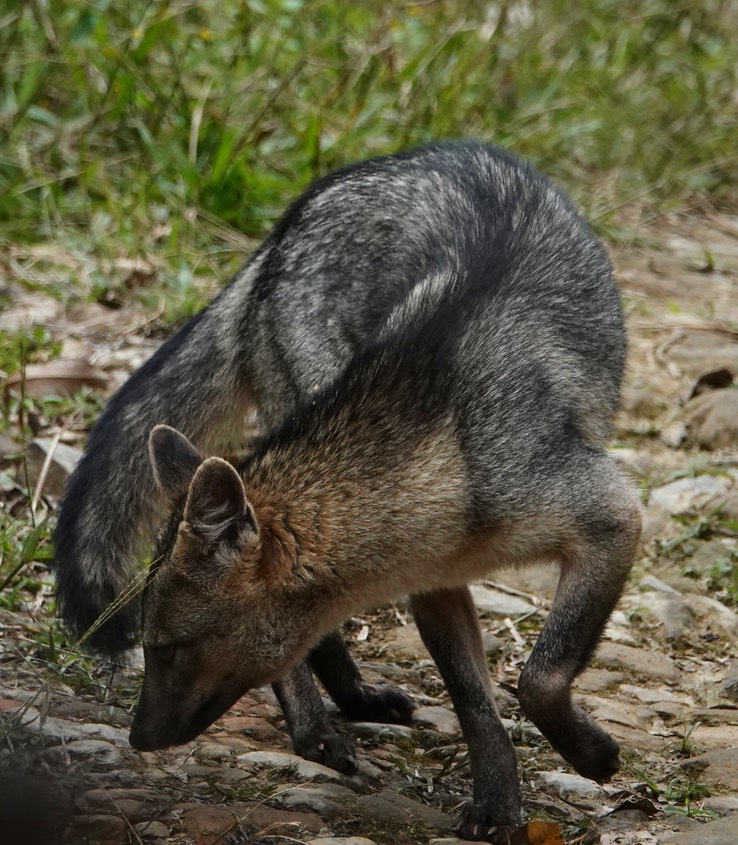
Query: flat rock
[(598, 680), (572, 788), (66, 731), (714, 737), (489, 600), (704, 352), (405, 641), (670, 610), (644, 662), (439, 718), (379, 730), (278, 821), (716, 768), (303, 769), (721, 803), (691, 495), (214, 751), (152, 830), (450, 840), (619, 712), (712, 421), (205, 823), (730, 685), (392, 807), (101, 753), (654, 695), (721, 832), (326, 799)]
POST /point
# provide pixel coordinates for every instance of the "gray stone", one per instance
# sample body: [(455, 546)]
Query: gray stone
[(644, 662), (716, 768), (653, 695), (651, 582), (103, 754), (405, 640), (721, 803), (341, 840), (713, 419), (691, 495), (704, 352), (709, 553), (599, 680), (492, 644), (214, 751), (67, 731), (721, 832), (498, 603), (152, 830), (394, 808), (303, 769), (449, 840), (730, 686), (326, 799), (439, 718), (670, 610), (714, 614), (635, 837), (379, 730), (572, 788)]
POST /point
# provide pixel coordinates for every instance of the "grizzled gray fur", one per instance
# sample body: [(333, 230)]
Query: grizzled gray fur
[(447, 304)]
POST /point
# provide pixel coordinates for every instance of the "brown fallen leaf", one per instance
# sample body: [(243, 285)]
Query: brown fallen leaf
[(57, 378), (544, 833), (636, 802), (532, 833)]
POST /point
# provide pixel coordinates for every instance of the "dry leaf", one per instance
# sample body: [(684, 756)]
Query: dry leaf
[(532, 833), (57, 378), (544, 833)]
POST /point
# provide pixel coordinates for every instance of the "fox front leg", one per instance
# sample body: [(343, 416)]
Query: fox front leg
[(447, 621), (313, 735), (358, 700)]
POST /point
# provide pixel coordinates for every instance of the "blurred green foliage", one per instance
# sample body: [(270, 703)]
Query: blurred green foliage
[(118, 120)]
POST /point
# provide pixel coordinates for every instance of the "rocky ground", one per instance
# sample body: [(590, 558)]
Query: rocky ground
[(664, 681)]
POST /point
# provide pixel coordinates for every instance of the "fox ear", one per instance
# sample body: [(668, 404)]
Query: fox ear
[(174, 460), (217, 510)]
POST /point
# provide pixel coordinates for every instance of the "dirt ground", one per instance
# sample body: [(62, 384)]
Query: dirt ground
[(664, 681)]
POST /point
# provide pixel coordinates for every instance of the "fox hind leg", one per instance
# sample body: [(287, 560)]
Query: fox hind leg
[(595, 563)]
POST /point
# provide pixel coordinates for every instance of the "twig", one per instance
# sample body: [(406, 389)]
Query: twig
[(44, 471)]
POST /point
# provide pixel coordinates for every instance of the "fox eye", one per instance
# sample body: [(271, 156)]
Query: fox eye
[(166, 653)]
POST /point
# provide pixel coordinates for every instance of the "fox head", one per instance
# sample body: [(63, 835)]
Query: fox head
[(217, 617)]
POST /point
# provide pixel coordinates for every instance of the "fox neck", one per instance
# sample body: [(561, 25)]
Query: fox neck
[(343, 528)]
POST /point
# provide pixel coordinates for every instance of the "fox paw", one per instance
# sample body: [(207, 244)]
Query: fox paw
[(331, 749), (597, 758), (372, 703), (479, 824)]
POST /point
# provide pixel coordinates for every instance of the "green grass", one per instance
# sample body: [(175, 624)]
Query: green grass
[(157, 125)]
